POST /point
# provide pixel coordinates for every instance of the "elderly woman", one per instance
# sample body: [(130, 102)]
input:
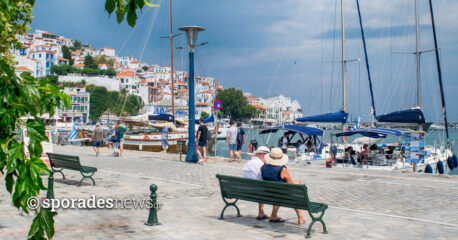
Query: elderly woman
[(275, 170)]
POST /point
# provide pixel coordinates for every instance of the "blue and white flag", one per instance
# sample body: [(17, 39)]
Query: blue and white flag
[(74, 132), (357, 124)]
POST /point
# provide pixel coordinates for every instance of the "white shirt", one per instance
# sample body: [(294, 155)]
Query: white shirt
[(285, 143), (232, 134), (252, 169), (302, 148)]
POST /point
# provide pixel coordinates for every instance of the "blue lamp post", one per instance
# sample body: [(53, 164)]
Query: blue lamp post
[(191, 35)]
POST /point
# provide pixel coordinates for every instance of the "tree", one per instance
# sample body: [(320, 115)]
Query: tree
[(204, 115), (145, 68), (235, 105), (67, 54), (77, 44), (89, 62), (26, 97)]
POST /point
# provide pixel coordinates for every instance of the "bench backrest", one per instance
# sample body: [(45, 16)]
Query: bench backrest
[(268, 192), (64, 161)]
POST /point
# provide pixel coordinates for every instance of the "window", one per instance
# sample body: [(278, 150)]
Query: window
[(33, 56), (39, 55)]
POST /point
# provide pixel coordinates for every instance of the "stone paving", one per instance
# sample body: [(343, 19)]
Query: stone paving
[(364, 204)]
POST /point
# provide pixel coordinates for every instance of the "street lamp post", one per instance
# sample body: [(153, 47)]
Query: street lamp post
[(191, 35)]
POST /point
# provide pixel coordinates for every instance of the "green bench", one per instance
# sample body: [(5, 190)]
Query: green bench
[(272, 193), (60, 162)]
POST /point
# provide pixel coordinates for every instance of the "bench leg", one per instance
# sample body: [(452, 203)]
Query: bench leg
[(87, 176), (59, 171), (227, 205), (316, 219)]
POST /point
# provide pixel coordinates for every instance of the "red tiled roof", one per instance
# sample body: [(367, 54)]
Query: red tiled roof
[(183, 90), (164, 81), (79, 65), (22, 68), (209, 92), (252, 99), (125, 74), (203, 83), (166, 93), (260, 107), (62, 59), (43, 51), (201, 104), (107, 47)]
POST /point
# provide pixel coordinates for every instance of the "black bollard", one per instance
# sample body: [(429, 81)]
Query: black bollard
[(50, 192), (152, 218)]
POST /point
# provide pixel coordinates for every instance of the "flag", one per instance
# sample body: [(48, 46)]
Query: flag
[(357, 124), (74, 132)]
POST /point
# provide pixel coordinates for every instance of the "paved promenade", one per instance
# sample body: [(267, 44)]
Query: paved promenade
[(363, 204)]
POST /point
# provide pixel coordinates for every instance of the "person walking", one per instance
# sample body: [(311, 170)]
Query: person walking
[(97, 139), (231, 139), (252, 170), (202, 136), (275, 170), (240, 140), (284, 142), (122, 130), (116, 138)]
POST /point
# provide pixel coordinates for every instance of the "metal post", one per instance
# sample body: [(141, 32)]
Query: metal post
[(152, 218), (418, 52), (191, 155), (50, 192)]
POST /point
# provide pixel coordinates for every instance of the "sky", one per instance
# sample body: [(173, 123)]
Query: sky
[(293, 47)]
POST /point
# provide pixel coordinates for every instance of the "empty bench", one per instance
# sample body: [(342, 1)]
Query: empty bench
[(274, 193), (60, 162)]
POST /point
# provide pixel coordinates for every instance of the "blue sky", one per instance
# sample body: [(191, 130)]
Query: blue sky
[(291, 47)]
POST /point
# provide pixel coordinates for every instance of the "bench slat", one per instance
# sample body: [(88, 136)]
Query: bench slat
[(262, 197), (266, 192), (256, 187)]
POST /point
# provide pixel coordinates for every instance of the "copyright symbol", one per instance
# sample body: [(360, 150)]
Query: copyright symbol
[(33, 203)]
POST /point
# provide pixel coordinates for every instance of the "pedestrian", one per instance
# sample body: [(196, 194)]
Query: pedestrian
[(122, 130), (284, 142), (275, 170), (97, 139), (252, 169), (116, 138), (240, 140), (231, 139), (202, 136)]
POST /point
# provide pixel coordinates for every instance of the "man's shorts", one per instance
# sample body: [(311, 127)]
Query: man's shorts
[(233, 147), (202, 144), (239, 147), (96, 143)]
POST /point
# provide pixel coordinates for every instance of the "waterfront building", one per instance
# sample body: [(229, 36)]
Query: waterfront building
[(80, 106)]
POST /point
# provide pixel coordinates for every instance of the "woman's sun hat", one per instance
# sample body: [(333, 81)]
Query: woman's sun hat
[(276, 157)]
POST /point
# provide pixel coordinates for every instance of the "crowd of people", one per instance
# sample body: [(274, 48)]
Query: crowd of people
[(116, 137)]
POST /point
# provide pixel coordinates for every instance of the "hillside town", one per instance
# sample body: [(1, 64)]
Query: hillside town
[(42, 50)]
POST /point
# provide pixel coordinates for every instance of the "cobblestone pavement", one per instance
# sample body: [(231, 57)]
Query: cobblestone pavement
[(364, 204)]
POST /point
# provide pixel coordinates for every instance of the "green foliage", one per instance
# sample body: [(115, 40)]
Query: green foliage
[(204, 115), (235, 105), (67, 54), (128, 7), (64, 69), (145, 68), (89, 63), (22, 97), (76, 45), (103, 100)]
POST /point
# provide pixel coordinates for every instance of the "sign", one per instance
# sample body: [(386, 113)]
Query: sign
[(415, 147), (217, 104), (47, 146)]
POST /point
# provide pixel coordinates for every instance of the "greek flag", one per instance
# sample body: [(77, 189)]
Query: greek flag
[(357, 124), (74, 132)]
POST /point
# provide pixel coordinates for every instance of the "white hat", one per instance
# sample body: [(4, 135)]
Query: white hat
[(262, 149), (276, 157)]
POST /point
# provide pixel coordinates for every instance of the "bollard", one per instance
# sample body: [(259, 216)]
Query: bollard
[(50, 192), (152, 218)]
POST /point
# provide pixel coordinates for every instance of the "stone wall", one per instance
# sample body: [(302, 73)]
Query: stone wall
[(112, 84)]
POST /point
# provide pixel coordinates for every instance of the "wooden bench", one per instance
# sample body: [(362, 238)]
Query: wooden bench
[(268, 192), (60, 162)]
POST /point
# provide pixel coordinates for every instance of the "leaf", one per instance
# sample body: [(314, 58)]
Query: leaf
[(120, 11), (149, 4), (42, 223), (110, 6), (140, 3), (131, 14), (15, 152), (9, 182)]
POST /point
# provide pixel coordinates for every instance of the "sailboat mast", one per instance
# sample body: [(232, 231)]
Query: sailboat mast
[(171, 62), (344, 61), (374, 113), (417, 53), (439, 72)]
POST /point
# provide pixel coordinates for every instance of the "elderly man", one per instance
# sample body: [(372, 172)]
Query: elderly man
[(252, 169)]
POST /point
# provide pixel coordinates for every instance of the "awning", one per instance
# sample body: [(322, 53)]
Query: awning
[(336, 117), (208, 120), (310, 131), (372, 132)]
